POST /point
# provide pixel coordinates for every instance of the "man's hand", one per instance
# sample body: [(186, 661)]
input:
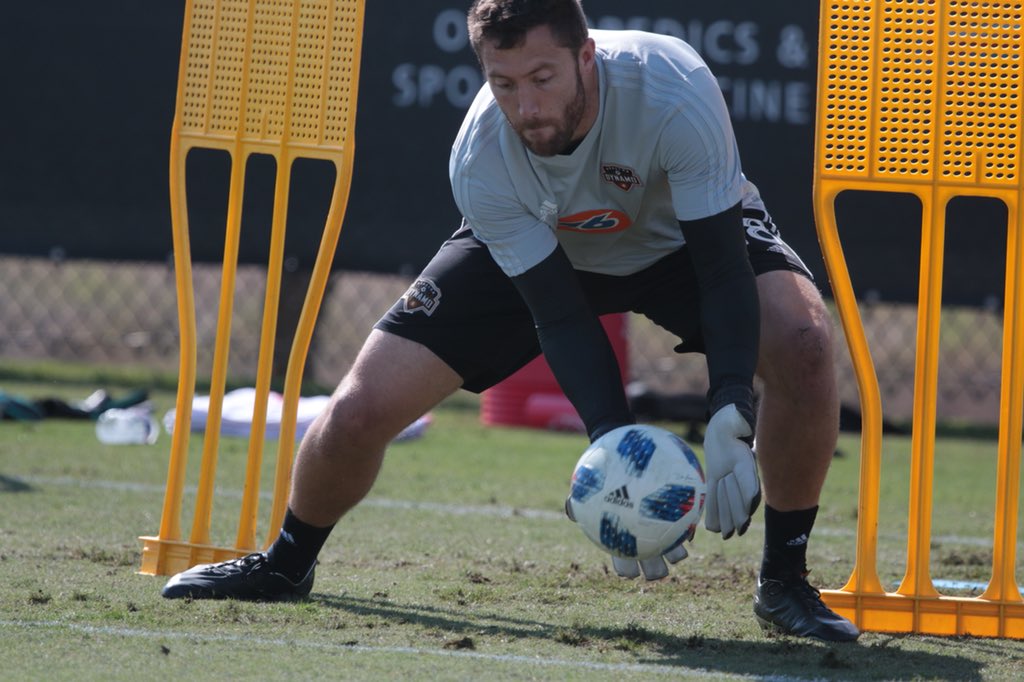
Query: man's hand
[(734, 490), (653, 569)]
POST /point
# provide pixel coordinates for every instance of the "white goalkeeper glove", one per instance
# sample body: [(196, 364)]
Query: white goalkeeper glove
[(654, 568), (734, 490)]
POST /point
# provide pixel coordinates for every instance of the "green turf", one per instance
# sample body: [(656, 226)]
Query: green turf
[(459, 566)]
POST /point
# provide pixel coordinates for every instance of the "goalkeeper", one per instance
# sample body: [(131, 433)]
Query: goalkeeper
[(596, 172)]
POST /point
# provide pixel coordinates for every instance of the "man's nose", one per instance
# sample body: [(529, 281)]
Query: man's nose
[(529, 106)]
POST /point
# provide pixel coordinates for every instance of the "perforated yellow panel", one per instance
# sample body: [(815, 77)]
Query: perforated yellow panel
[(921, 91), (275, 77), (981, 100), (907, 84), (924, 97), (283, 71), (844, 92)]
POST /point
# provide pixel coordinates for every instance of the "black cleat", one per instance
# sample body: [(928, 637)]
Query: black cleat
[(249, 578), (794, 607)]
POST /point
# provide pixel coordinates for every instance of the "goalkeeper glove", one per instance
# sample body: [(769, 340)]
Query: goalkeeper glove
[(734, 490), (654, 568)]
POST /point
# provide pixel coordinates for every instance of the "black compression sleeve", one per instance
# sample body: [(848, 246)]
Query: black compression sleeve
[(730, 311), (575, 344)]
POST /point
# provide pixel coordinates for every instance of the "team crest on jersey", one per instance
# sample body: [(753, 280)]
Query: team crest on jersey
[(422, 297), (597, 220), (623, 177)]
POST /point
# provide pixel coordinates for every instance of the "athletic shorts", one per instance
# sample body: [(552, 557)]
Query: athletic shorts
[(466, 310)]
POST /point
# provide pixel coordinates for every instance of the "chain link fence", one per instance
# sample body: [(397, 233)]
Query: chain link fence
[(125, 314)]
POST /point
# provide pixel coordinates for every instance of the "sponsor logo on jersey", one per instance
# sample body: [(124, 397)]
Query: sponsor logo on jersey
[(596, 220), (623, 177), (422, 297)]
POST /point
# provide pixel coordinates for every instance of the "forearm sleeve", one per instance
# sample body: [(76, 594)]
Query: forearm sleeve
[(575, 344), (730, 310)]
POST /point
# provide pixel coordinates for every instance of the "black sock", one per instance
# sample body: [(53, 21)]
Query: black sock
[(296, 548), (785, 542)]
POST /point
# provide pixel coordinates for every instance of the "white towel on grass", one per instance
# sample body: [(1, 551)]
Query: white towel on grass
[(239, 406)]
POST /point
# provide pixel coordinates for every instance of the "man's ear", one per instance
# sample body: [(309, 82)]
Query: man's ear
[(586, 56)]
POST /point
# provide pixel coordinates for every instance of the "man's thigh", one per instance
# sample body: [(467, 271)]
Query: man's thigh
[(468, 313)]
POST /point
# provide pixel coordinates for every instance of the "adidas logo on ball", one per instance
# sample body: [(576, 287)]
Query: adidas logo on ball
[(620, 497)]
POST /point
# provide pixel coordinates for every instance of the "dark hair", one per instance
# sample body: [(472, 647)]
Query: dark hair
[(505, 22)]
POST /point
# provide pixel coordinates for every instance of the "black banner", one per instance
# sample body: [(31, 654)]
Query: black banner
[(90, 99)]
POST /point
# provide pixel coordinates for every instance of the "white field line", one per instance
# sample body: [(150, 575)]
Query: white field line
[(441, 508), (292, 643), (496, 510)]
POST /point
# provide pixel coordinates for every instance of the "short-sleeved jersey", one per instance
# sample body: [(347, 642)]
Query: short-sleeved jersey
[(662, 149)]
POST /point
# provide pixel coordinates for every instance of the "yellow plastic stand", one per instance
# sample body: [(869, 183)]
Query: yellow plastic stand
[(924, 97), (275, 77)]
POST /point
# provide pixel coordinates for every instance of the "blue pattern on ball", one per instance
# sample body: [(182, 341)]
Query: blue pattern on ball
[(669, 503), (636, 449), (617, 541), (586, 481), (691, 456)]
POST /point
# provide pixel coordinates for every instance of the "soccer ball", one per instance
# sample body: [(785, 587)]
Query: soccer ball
[(637, 492)]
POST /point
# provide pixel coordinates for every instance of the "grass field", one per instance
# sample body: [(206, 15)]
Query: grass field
[(459, 566)]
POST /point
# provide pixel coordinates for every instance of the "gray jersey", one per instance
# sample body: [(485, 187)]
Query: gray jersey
[(661, 150)]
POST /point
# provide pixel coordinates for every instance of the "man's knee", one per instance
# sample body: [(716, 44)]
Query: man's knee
[(798, 347), (393, 382), (354, 421)]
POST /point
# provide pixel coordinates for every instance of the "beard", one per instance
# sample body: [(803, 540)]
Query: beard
[(564, 127)]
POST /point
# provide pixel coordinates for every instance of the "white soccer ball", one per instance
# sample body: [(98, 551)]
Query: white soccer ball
[(637, 492)]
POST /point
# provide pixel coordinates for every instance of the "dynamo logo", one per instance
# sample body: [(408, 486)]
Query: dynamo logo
[(422, 297)]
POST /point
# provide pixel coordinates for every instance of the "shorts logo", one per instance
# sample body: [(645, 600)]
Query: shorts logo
[(423, 296), (599, 220), (623, 177), (764, 230)]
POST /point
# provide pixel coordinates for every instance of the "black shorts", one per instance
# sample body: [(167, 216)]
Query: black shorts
[(469, 313)]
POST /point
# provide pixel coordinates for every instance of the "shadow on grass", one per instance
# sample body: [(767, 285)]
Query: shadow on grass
[(13, 485), (773, 657)]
